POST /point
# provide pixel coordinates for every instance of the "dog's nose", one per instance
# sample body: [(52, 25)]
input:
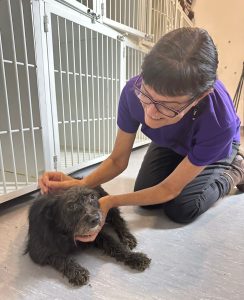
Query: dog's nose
[(94, 220)]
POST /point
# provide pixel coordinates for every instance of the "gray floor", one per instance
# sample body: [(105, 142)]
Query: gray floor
[(203, 260)]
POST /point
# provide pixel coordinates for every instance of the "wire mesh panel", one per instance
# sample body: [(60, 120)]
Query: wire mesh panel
[(87, 69), (21, 157), (128, 15), (134, 58), (163, 17)]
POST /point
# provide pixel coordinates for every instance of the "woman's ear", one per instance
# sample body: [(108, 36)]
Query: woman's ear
[(204, 94)]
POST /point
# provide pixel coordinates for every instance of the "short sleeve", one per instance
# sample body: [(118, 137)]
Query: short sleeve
[(125, 120), (212, 149)]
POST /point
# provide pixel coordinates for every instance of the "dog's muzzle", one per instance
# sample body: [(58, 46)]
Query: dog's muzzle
[(92, 223)]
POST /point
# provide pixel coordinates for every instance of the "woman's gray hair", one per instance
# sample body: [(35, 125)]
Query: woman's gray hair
[(183, 62)]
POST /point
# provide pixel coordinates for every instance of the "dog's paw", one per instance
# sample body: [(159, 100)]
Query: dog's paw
[(128, 240), (138, 261), (79, 277)]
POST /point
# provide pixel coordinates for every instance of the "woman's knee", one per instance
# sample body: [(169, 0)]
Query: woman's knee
[(183, 213)]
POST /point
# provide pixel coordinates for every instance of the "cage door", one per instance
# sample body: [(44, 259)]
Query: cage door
[(21, 143), (85, 68)]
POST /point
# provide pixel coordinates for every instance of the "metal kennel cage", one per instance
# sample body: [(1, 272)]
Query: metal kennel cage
[(62, 69)]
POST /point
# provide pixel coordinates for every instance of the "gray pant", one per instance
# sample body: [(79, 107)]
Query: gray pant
[(198, 196)]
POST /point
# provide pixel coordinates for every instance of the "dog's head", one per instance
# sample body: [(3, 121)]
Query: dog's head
[(76, 211)]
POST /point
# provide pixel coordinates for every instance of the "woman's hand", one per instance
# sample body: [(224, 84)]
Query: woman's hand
[(104, 206), (51, 181)]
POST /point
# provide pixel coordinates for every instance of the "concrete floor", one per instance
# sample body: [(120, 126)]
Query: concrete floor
[(203, 260)]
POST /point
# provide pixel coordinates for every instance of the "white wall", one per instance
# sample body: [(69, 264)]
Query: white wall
[(224, 20)]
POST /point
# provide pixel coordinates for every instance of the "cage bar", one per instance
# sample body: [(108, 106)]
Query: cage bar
[(8, 121), (63, 123), (28, 88), (93, 100), (16, 76), (3, 189), (75, 97), (81, 96)]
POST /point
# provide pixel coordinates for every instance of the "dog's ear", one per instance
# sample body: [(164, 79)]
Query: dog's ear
[(100, 191), (48, 211), (42, 210)]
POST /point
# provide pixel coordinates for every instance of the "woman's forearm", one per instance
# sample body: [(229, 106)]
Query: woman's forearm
[(150, 196), (106, 171)]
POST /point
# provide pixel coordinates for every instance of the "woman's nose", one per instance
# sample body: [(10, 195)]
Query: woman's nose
[(151, 109)]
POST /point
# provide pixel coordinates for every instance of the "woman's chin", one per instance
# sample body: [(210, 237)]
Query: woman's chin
[(156, 123)]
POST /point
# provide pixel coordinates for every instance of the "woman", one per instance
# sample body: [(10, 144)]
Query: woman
[(193, 158)]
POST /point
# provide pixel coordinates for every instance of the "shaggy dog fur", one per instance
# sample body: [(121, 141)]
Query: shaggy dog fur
[(57, 221)]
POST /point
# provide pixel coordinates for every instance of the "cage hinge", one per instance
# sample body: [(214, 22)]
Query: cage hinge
[(121, 37), (46, 23), (55, 162), (93, 15), (102, 9), (148, 37)]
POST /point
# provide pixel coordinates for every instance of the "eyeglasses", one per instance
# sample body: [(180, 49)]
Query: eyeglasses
[(160, 105)]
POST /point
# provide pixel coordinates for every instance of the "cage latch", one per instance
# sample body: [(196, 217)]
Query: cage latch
[(122, 36), (93, 15), (148, 37)]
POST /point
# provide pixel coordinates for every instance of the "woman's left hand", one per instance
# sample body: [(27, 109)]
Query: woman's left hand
[(104, 206)]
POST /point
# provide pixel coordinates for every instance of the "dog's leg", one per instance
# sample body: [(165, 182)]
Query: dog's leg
[(111, 247), (76, 274), (118, 223)]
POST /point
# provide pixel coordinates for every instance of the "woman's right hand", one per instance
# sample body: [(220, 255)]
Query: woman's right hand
[(51, 181)]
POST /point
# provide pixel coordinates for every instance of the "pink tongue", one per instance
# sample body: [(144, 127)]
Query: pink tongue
[(88, 238), (84, 238)]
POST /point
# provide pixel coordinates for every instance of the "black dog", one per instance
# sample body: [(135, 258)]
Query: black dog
[(57, 221)]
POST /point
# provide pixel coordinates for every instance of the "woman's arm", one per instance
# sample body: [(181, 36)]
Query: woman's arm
[(107, 170), (116, 163), (165, 191)]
